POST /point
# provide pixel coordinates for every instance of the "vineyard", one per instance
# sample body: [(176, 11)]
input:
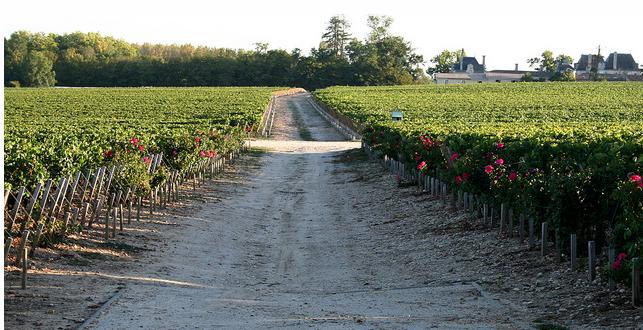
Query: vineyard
[(566, 154), (50, 133), (126, 195), (75, 158)]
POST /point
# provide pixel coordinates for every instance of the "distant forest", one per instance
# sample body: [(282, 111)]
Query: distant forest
[(91, 59)]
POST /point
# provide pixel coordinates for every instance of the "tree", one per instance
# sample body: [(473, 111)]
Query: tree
[(336, 36), (527, 77), (91, 59), (261, 47), (547, 62), (16, 49), (566, 75), (38, 70), (29, 59), (379, 26), (562, 58), (384, 60), (445, 61)]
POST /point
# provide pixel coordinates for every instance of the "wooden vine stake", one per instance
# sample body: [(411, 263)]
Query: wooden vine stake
[(25, 261), (591, 260), (83, 215), (115, 215), (7, 249), (611, 254), (30, 207), (510, 222), (503, 216), (109, 210), (34, 243), (129, 210), (23, 246), (557, 244), (121, 216), (532, 239), (572, 252), (16, 207), (138, 208), (636, 282), (66, 220), (543, 244), (74, 215)]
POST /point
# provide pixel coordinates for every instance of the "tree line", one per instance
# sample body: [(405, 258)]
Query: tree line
[(91, 59)]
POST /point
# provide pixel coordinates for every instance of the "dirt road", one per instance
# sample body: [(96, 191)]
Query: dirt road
[(294, 245)]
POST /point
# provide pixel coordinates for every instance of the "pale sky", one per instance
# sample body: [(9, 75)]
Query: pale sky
[(506, 31)]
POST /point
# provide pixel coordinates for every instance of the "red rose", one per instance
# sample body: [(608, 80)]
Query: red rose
[(466, 176), (513, 176)]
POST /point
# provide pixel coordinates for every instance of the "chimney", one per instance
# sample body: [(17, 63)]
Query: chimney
[(484, 66), (516, 69), (461, 59), (615, 59)]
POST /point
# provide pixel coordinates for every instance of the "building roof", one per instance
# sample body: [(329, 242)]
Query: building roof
[(477, 67), (624, 62), (581, 65), (564, 67)]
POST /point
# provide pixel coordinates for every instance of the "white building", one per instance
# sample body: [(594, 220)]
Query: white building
[(468, 71)]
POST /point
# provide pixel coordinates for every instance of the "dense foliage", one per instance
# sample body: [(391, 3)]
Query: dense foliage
[(90, 59), (566, 153), (55, 132)]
